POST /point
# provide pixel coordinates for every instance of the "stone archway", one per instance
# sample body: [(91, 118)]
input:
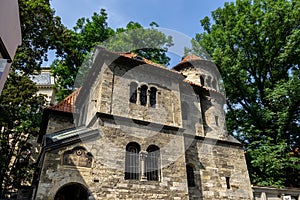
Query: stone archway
[(72, 191)]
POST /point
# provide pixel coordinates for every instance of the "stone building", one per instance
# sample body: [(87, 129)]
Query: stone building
[(137, 130), (271, 193), (45, 84)]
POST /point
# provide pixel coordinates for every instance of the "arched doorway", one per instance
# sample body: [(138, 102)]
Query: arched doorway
[(72, 191)]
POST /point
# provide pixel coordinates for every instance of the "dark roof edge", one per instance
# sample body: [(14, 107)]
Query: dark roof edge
[(88, 136), (138, 121), (214, 141)]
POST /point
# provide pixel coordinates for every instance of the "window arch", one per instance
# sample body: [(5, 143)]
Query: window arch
[(184, 110), (132, 162), (74, 191), (153, 91), (133, 92), (190, 175), (143, 95), (152, 163)]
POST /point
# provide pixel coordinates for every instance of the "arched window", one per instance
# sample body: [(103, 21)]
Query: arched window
[(133, 92), (153, 91), (190, 176), (152, 163), (143, 95), (132, 162), (202, 80), (184, 110)]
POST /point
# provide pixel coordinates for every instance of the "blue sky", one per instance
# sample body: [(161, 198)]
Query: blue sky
[(179, 15), (182, 16)]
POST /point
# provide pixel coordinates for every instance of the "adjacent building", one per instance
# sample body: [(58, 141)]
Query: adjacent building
[(10, 36)]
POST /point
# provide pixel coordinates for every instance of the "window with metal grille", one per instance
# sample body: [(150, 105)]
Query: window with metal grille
[(132, 162), (152, 163), (190, 176)]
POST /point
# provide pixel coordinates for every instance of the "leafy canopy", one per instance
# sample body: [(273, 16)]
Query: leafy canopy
[(79, 42), (20, 107), (256, 45)]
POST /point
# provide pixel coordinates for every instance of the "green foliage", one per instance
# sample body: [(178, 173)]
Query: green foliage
[(256, 45), (20, 107), (78, 43), (21, 112), (40, 31), (148, 43)]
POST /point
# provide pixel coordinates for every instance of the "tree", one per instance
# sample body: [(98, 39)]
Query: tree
[(148, 43), (78, 43), (21, 112), (256, 46), (20, 107), (41, 31)]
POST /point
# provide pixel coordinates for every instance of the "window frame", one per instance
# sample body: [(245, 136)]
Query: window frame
[(152, 165), (132, 161)]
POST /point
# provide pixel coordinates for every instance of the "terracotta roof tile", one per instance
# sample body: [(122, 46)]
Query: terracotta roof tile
[(137, 57), (199, 85), (67, 104), (190, 57), (185, 61)]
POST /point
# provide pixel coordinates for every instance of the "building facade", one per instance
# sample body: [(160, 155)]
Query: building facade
[(137, 130), (45, 84), (10, 36)]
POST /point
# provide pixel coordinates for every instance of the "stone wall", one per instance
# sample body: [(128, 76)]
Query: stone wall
[(58, 122), (105, 179), (213, 161), (115, 94), (272, 193)]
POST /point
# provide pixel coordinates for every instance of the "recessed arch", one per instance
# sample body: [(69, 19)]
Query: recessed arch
[(153, 92), (152, 163), (143, 95), (132, 161), (72, 191), (133, 92)]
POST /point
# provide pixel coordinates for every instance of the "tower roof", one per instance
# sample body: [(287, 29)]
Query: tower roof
[(186, 61), (190, 57)]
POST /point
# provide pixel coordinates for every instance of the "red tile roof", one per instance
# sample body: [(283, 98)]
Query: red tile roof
[(135, 56), (190, 57), (67, 104), (184, 62)]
